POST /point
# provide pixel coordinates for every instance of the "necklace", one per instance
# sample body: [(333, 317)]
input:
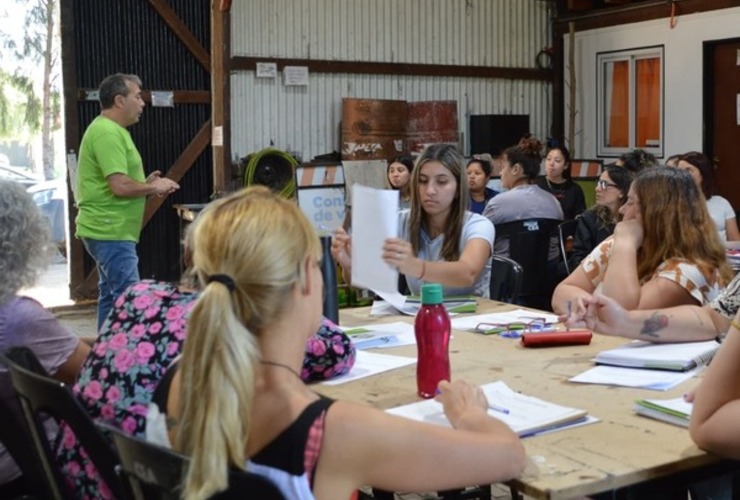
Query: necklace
[(281, 365)]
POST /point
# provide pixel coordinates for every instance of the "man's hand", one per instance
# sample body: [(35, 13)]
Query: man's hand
[(163, 185)]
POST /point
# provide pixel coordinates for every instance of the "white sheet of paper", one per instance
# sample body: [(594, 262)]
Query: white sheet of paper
[(527, 416), (391, 335), (657, 380), (371, 363), (374, 218), (397, 301), (518, 315)]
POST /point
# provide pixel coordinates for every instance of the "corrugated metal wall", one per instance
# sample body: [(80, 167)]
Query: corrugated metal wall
[(105, 44), (503, 33)]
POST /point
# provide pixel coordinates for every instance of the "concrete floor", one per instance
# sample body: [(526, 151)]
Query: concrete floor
[(52, 290)]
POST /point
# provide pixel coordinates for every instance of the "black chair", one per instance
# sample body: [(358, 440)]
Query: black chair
[(156, 473), (14, 437), (566, 230), (506, 279), (529, 244), (40, 395)]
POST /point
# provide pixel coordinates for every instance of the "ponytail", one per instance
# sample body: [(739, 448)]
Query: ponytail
[(217, 371)]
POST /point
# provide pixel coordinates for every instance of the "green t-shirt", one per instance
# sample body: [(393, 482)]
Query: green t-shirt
[(107, 149)]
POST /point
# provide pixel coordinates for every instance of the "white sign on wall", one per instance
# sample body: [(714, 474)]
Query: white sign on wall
[(323, 206), (295, 75)]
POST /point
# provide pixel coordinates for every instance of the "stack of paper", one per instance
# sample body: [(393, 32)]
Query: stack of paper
[(674, 411), (676, 357), (649, 366), (396, 303), (525, 415)]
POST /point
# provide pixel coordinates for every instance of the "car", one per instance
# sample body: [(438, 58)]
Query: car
[(51, 198), (19, 175)]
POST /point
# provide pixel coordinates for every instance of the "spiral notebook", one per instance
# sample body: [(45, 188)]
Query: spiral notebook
[(675, 357), (674, 411)]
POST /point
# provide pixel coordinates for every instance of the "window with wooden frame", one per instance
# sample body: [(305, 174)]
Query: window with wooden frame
[(630, 101)]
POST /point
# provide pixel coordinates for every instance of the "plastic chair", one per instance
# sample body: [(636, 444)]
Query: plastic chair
[(506, 279), (155, 472), (41, 394), (566, 230), (529, 244)]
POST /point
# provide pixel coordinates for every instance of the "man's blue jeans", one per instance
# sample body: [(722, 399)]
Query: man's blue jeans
[(118, 268)]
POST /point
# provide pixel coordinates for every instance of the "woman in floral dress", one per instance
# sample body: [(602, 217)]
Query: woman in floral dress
[(141, 337)]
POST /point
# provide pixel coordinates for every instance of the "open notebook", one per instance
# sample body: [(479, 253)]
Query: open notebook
[(525, 415), (677, 357), (674, 411)]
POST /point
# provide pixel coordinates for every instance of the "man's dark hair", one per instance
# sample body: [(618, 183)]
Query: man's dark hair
[(114, 85)]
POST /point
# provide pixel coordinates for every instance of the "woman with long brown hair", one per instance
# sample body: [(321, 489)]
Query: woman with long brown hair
[(439, 240), (664, 253)]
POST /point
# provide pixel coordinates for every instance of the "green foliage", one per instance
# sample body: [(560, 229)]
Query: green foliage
[(20, 107)]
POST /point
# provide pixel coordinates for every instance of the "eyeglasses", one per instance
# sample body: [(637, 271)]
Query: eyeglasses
[(602, 184), (514, 329)]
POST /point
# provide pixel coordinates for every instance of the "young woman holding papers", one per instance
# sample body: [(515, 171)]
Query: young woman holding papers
[(439, 239), (666, 251), (236, 399)]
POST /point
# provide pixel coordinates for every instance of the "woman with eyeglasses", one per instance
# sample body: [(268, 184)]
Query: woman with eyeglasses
[(664, 253), (597, 223)]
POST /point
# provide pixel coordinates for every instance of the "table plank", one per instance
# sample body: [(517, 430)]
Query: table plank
[(621, 450)]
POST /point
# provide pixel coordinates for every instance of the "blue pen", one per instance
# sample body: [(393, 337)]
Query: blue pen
[(499, 409)]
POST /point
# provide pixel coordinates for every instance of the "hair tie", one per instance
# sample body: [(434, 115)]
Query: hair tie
[(224, 279)]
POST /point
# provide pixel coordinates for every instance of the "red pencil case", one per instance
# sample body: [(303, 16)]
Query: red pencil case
[(553, 339)]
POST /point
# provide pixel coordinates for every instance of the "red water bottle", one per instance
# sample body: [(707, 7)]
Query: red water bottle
[(432, 329)]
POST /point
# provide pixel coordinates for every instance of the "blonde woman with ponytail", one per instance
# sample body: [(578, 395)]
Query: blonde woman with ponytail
[(236, 399)]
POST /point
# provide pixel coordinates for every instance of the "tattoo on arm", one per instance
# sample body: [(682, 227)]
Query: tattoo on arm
[(654, 324), (171, 423)]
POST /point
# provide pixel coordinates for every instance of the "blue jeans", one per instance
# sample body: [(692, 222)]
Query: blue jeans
[(118, 268)]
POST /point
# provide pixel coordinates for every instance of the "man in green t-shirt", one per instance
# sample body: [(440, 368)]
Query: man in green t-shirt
[(111, 189)]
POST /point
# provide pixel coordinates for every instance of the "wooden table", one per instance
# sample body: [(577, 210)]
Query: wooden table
[(621, 450)]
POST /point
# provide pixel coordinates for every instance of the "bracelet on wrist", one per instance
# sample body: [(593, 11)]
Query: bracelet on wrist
[(735, 325)]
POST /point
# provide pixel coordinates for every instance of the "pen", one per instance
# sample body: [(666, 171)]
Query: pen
[(570, 310), (499, 409)]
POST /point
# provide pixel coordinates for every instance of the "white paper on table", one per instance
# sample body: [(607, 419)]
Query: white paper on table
[(382, 308), (518, 315), (397, 301), (657, 380), (374, 219), (526, 415), (371, 363), (382, 336)]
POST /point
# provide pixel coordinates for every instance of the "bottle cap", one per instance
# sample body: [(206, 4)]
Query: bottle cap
[(431, 293)]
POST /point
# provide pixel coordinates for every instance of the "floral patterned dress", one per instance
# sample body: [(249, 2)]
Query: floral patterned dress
[(141, 337)]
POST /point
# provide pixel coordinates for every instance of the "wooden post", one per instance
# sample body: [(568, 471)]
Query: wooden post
[(220, 96), (572, 85)]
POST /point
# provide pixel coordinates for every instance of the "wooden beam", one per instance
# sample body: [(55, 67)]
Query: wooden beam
[(178, 96), (181, 166), (219, 75), (239, 63), (637, 12), (580, 5), (182, 32), (80, 287)]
